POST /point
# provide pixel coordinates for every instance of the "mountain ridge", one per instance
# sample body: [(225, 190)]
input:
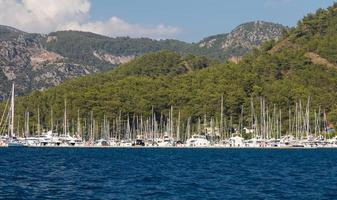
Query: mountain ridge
[(38, 61), (277, 73), (243, 38)]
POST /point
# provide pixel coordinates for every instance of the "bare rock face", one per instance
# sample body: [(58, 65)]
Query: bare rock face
[(40, 57), (36, 61), (243, 38), (208, 43), (112, 59), (56, 73), (251, 35), (51, 39), (235, 59), (25, 61)]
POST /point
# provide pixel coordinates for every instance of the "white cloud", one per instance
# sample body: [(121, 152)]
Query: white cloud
[(44, 16), (118, 27)]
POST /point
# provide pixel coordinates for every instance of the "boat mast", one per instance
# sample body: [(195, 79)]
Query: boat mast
[(119, 125), (205, 124), (128, 130), (133, 129), (199, 126), (152, 123), (171, 122), (27, 124), (38, 121), (178, 127), (51, 119), (308, 117), (188, 128), (91, 126), (141, 127), (221, 118), (79, 131), (12, 113), (241, 121), (65, 118), (280, 123)]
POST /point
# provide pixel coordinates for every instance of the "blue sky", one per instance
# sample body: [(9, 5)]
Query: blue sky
[(201, 18), (187, 20)]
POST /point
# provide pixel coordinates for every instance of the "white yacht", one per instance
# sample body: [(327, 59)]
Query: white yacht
[(236, 141), (287, 141), (76, 142), (3, 141), (113, 142), (101, 143), (32, 141), (254, 142), (46, 139), (197, 141), (332, 142), (15, 142), (125, 143), (166, 141)]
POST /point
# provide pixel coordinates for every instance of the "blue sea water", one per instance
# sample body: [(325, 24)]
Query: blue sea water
[(140, 173)]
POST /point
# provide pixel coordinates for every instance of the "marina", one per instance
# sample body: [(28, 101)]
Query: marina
[(167, 132), (168, 100)]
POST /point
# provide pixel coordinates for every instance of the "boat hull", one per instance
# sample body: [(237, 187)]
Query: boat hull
[(15, 145)]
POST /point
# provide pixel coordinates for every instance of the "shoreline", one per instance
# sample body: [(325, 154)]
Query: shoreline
[(148, 147)]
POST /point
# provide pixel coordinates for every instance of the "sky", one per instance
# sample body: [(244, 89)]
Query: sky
[(187, 20)]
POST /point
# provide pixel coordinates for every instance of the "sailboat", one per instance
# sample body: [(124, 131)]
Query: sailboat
[(13, 141)]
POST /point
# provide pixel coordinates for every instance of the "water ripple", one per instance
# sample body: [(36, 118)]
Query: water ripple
[(63, 173)]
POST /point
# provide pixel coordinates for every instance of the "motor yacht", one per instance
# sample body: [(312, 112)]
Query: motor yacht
[(236, 141), (197, 141)]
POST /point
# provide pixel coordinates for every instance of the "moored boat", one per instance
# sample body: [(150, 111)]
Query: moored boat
[(197, 141)]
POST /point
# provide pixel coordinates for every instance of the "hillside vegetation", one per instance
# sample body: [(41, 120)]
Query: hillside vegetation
[(280, 72), (38, 61)]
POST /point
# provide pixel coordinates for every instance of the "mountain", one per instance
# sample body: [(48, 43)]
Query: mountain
[(242, 39), (96, 49), (105, 52), (9, 33), (25, 61), (302, 65), (35, 61)]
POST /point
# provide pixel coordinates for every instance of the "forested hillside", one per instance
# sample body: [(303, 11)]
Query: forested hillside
[(92, 49), (301, 65), (36, 61)]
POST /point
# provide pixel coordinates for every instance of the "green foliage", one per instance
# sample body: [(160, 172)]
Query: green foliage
[(162, 63), (317, 33), (154, 64), (194, 85), (79, 46), (8, 33)]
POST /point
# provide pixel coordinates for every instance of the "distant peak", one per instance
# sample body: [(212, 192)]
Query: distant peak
[(243, 38), (11, 29)]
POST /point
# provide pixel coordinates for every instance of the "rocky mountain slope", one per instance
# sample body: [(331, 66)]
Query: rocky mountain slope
[(242, 39), (287, 73), (35, 61), (25, 61)]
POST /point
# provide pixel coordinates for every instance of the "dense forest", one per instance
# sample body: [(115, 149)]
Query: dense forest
[(39, 61), (301, 66), (79, 46)]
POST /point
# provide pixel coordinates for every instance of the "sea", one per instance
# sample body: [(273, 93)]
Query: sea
[(171, 173)]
